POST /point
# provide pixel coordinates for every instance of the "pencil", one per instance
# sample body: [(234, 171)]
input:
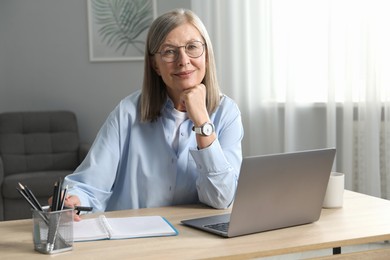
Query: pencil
[(54, 201), (59, 190), (31, 195), (26, 198), (64, 197)]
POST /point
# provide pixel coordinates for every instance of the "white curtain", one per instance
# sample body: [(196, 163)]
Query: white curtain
[(308, 74)]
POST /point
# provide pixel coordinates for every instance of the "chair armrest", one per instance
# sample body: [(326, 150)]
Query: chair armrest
[(83, 151), (1, 192), (1, 172)]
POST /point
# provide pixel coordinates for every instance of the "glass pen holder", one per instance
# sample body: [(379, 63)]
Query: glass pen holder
[(53, 231)]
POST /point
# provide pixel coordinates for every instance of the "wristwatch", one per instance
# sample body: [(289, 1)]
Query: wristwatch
[(206, 129)]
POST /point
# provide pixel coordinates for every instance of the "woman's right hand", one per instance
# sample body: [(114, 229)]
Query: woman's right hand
[(71, 201)]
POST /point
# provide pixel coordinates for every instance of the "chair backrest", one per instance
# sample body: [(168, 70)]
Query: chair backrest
[(38, 141)]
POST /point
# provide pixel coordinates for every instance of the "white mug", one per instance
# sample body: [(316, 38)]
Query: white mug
[(335, 191)]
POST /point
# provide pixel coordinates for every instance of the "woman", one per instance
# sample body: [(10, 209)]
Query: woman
[(178, 141)]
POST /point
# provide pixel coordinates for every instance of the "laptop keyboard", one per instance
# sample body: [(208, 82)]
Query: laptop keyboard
[(219, 226)]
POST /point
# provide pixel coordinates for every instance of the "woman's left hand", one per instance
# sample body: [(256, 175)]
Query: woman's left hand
[(194, 100)]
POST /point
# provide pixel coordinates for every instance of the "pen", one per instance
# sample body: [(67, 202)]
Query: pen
[(80, 208)]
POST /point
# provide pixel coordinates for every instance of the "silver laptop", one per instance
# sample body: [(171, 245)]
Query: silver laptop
[(274, 191)]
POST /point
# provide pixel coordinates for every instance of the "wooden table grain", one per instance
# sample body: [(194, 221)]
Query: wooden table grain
[(363, 219)]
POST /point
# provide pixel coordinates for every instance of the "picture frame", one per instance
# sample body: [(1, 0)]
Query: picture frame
[(117, 29)]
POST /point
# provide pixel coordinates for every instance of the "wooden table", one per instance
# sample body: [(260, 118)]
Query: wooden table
[(363, 219)]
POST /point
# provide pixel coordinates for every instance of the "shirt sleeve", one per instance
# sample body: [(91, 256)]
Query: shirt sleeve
[(219, 164), (92, 181)]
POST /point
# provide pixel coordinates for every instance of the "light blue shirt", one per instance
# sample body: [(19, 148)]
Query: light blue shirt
[(133, 165)]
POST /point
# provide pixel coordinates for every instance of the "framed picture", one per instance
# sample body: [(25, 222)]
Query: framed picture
[(118, 28)]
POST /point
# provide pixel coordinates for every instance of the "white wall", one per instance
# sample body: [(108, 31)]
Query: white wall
[(44, 62)]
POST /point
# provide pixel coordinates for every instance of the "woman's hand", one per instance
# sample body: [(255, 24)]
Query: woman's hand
[(194, 100), (71, 202)]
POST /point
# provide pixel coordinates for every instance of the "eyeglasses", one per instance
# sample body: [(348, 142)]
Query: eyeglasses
[(170, 53)]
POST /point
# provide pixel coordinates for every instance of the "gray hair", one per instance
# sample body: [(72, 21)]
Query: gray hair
[(154, 93)]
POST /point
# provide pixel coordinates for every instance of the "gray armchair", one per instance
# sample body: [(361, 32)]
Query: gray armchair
[(36, 149)]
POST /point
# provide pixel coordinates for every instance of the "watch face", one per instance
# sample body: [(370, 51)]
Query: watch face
[(207, 129)]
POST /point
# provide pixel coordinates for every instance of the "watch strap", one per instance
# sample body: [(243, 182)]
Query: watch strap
[(198, 130)]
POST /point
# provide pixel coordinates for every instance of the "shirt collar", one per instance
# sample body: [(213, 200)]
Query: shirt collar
[(169, 104)]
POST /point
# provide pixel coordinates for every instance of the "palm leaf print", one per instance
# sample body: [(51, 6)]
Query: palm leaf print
[(122, 22)]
